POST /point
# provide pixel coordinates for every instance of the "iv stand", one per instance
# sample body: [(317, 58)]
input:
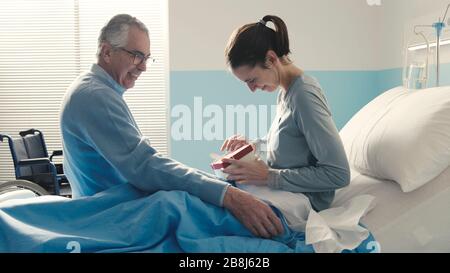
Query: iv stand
[(439, 26)]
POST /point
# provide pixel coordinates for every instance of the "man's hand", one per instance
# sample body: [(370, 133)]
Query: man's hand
[(254, 214)]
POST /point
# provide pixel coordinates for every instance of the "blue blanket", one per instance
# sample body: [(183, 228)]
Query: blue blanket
[(124, 219)]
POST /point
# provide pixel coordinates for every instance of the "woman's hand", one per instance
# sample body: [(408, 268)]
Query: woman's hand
[(233, 143), (253, 172)]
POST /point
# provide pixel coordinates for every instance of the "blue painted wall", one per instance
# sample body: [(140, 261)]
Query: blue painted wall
[(346, 91), (213, 87), (393, 77), (387, 79)]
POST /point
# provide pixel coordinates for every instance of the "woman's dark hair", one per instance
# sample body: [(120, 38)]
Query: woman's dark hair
[(249, 44)]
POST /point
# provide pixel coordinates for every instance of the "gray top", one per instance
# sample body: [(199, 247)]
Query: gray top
[(304, 149)]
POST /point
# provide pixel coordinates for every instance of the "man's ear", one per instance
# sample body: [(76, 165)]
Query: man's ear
[(106, 52), (271, 58)]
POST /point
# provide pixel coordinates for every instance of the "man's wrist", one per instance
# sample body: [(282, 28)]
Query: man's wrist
[(224, 193), (228, 197)]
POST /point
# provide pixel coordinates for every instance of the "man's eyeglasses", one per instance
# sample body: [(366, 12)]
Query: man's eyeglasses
[(139, 57)]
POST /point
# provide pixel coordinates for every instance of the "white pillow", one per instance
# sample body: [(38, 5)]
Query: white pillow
[(402, 135)]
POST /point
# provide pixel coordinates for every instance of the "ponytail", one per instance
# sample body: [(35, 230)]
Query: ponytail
[(249, 44), (281, 43)]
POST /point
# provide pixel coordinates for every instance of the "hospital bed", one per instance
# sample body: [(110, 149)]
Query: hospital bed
[(417, 221), (399, 222), (403, 219), (398, 148)]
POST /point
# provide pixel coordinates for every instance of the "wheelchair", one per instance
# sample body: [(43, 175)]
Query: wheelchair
[(32, 162), (17, 185)]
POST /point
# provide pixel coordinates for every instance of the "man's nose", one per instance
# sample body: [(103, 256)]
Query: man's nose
[(142, 66)]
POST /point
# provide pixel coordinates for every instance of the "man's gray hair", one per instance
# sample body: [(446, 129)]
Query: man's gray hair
[(115, 32)]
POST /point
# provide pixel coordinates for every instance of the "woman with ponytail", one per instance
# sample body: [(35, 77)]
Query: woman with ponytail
[(304, 151)]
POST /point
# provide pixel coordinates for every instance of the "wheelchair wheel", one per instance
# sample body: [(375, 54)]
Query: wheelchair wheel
[(22, 185)]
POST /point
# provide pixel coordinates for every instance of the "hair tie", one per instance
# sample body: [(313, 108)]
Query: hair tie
[(262, 22)]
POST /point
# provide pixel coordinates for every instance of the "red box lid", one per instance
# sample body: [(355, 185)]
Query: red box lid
[(238, 154)]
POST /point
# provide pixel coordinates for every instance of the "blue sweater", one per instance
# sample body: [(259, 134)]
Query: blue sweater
[(104, 147)]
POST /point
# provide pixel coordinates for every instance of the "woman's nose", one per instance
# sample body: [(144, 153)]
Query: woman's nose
[(251, 86)]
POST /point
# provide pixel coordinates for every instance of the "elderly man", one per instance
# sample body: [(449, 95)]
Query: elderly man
[(104, 147)]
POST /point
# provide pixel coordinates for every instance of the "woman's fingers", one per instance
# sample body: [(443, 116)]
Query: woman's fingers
[(233, 143), (238, 145), (225, 145), (233, 162), (237, 178)]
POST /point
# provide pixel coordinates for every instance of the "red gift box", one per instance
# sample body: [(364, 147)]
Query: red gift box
[(238, 154)]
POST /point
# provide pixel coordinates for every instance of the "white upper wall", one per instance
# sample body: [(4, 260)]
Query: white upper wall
[(324, 34), (397, 21)]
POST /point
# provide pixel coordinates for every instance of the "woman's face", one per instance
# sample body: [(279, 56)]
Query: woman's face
[(257, 77)]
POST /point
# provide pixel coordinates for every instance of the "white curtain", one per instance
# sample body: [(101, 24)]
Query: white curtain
[(46, 44)]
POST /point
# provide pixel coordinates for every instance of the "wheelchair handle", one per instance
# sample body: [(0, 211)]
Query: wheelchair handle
[(5, 136), (27, 132)]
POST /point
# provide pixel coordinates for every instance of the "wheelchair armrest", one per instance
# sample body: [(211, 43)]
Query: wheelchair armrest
[(56, 153), (39, 161), (36, 161), (33, 161)]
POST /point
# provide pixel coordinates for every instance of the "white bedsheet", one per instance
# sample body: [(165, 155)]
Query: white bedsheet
[(328, 231), (417, 221)]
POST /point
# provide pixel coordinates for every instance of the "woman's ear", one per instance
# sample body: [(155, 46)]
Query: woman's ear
[(271, 58)]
